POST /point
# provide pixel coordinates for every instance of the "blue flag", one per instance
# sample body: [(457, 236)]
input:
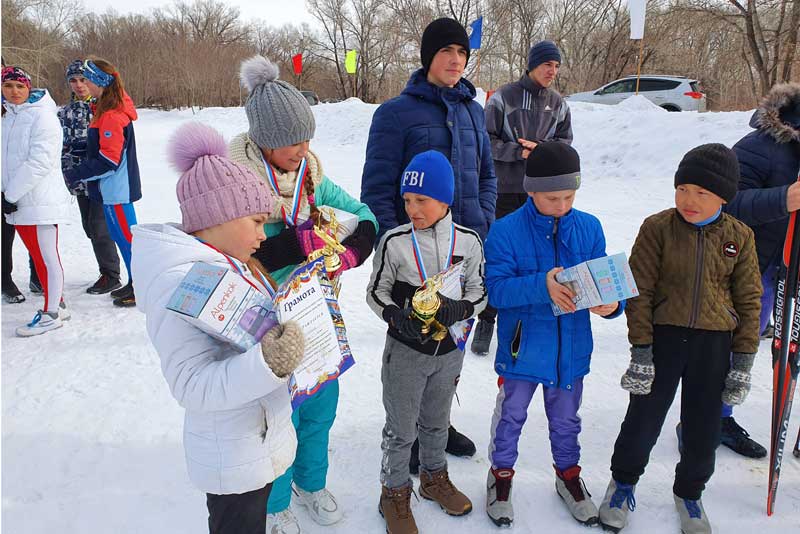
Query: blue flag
[(475, 36)]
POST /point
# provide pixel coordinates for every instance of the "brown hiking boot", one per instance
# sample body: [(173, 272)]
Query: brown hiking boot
[(395, 507), (437, 487)]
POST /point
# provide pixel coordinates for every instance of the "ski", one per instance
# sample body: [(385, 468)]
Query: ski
[(784, 353)]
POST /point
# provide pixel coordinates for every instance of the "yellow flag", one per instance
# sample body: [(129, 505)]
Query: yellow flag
[(350, 61)]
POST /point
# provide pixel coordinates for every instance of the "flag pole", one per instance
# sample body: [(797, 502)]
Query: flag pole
[(639, 67), (478, 68)]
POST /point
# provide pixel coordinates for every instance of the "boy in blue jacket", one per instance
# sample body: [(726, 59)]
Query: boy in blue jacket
[(524, 252)]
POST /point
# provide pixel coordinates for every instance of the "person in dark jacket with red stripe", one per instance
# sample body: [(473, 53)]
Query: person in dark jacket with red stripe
[(110, 169)]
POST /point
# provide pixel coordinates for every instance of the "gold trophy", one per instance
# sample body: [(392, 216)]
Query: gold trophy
[(425, 304), (326, 231)]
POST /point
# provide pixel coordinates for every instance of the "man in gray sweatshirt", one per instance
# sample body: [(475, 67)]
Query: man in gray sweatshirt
[(519, 116)]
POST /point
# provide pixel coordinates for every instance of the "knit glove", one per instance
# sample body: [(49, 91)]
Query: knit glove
[(452, 311), (283, 347), (737, 383), (307, 239), (349, 259), (8, 207), (638, 379), (402, 320)]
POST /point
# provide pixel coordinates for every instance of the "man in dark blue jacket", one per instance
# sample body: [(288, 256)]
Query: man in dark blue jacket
[(436, 111), (769, 162)]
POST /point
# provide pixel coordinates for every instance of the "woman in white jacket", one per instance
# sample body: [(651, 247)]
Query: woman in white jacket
[(35, 200), (238, 435)]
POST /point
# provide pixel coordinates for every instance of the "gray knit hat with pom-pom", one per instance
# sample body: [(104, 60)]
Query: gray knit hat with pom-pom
[(279, 115)]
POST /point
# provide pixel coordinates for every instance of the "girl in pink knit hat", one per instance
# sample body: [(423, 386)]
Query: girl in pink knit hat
[(238, 434)]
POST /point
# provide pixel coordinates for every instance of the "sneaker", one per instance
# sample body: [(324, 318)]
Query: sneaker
[(104, 284), (125, 302), (437, 487), (42, 322), (35, 287), (498, 497), (613, 512), (482, 338), (458, 444), (12, 294), (283, 522), (738, 440), (124, 291), (395, 508), (413, 462), (322, 506), (693, 516), (572, 490)]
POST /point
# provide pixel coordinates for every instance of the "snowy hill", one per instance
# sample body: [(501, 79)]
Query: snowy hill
[(91, 438)]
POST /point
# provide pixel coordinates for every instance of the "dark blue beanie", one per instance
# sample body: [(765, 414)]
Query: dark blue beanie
[(429, 174), (542, 52)]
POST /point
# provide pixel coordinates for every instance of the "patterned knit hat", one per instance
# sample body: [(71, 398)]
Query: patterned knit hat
[(75, 69), (16, 74), (213, 189), (279, 115)]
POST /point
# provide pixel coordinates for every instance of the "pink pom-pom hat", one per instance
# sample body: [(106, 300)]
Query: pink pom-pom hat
[(213, 189)]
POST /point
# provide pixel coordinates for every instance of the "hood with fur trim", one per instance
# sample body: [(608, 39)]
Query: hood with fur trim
[(779, 113)]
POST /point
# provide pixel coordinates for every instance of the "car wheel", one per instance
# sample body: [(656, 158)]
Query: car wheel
[(670, 107)]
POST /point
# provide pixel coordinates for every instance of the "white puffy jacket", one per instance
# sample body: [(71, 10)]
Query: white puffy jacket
[(32, 179), (237, 435)]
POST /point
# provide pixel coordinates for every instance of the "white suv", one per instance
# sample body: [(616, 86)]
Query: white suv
[(673, 93)]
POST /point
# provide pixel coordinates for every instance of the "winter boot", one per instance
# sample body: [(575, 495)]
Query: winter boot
[(124, 291), (322, 506), (572, 490), (693, 516), (11, 293), (437, 487), (458, 444), (413, 462), (498, 497), (283, 522), (42, 322), (35, 286), (482, 337), (738, 440), (395, 507), (613, 513), (105, 284)]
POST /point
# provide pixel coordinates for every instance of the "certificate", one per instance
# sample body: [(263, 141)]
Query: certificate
[(309, 299)]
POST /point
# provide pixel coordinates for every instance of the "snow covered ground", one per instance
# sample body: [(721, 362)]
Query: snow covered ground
[(91, 438)]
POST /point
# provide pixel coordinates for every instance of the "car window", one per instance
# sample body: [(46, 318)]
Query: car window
[(649, 84), (624, 86), (696, 87)]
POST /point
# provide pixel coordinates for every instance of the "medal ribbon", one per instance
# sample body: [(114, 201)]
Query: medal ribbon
[(423, 275), (291, 219)]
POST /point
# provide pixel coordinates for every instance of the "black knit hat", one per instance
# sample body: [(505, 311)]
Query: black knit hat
[(712, 166), (439, 34), (552, 166)]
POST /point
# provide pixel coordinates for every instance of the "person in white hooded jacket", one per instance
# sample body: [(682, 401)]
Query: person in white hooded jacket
[(238, 435), (34, 198)]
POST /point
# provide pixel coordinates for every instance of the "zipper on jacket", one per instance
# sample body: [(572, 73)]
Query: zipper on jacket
[(558, 319), (698, 276)]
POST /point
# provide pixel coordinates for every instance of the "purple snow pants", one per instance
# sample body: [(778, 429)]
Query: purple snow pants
[(511, 411), (768, 281)]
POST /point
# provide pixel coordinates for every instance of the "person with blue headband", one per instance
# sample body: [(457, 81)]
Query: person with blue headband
[(110, 169)]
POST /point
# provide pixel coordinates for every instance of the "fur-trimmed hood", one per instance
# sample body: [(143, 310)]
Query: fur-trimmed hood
[(779, 113)]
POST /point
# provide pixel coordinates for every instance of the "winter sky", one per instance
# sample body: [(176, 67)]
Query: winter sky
[(273, 12)]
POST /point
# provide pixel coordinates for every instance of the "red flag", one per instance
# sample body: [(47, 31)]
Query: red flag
[(297, 62)]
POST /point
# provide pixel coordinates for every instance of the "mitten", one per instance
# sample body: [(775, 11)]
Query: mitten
[(638, 379), (349, 259), (452, 311), (8, 207), (283, 348), (737, 383), (409, 326), (307, 239)]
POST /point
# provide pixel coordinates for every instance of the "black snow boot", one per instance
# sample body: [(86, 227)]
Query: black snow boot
[(11, 293), (458, 444), (738, 440), (482, 337), (105, 284)]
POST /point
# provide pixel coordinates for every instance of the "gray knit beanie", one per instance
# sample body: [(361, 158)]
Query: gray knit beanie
[(279, 115)]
